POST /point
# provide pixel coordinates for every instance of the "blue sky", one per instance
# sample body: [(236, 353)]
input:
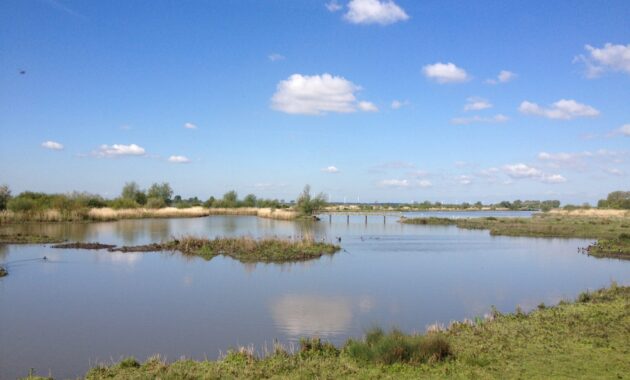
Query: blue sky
[(369, 99)]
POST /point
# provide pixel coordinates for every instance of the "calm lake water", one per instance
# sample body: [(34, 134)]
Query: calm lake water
[(78, 308)]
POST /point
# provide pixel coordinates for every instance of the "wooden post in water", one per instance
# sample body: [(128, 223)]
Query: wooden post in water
[(384, 219), (366, 219), (330, 218), (348, 219)]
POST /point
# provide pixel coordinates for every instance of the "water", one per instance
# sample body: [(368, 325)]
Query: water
[(81, 307)]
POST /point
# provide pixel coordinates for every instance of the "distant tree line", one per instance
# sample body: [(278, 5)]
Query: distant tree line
[(616, 200)]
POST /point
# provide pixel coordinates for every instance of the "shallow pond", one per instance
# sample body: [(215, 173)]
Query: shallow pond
[(78, 308)]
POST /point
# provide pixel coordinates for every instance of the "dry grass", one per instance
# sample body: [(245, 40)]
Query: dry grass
[(595, 213), (108, 214)]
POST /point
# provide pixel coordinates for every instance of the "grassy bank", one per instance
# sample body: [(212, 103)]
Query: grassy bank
[(588, 338), (540, 225), (110, 214), (612, 232)]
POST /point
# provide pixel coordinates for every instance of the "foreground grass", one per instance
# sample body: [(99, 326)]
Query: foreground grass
[(588, 338), (244, 249)]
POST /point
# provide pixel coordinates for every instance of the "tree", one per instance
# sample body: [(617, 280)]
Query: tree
[(618, 200), (307, 204), (132, 191), (162, 191), (230, 199), (249, 201), (5, 196)]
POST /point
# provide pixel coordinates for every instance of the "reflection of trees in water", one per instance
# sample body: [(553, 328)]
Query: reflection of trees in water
[(69, 231), (4, 249), (229, 225), (308, 229)]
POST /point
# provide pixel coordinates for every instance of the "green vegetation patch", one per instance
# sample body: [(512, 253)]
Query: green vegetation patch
[(588, 338), (616, 248), (244, 249), (3, 271), (20, 238)]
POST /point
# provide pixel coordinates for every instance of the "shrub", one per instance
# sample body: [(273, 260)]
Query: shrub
[(120, 203), (396, 347), (155, 202), (129, 362), (21, 204)]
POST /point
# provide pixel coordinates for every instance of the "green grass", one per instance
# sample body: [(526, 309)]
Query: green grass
[(244, 249), (3, 271), (617, 248), (28, 239), (588, 338)]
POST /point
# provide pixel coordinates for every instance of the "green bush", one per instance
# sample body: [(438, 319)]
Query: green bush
[(154, 202), (120, 203), (396, 347), (22, 205)]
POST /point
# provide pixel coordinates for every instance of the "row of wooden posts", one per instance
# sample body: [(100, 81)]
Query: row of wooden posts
[(348, 219)]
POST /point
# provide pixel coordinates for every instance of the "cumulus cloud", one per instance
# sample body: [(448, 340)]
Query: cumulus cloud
[(608, 58), (118, 150), (330, 169), (274, 57), (333, 6), (316, 95), (52, 145), (179, 159), (503, 77), (476, 104), (397, 104), (405, 183), (464, 179), (367, 106), (190, 126), (563, 109), (520, 171), (445, 73), (383, 12), (625, 130), (498, 118)]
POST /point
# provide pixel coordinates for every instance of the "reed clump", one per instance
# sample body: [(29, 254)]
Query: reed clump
[(245, 249)]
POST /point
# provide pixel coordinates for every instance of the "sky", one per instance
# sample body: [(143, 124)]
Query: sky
[(368, 100)]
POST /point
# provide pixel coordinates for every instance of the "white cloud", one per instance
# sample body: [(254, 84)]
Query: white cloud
[(274, 57), (330, 169), (367, 106), (333, 6), (405, 183), (464, 179), (397, 104), (625, 130), (476, 104), (445, 73), (614, 171), (563, 109), (498, 118), (400, 183), (179, 159), (118, 150), (608, 58), (383, 12), (503, 77), (190, 126), (316, 95), (520, 171), (52, 145)]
